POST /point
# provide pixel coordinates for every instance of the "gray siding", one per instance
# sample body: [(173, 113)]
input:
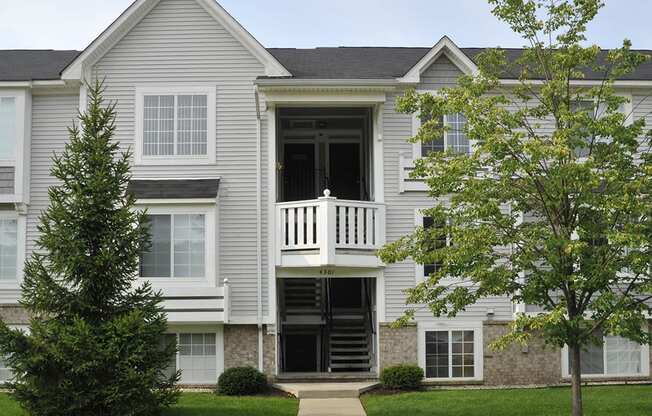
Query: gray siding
[(7, 179), (401, 206), (179, 42), (51, 116)]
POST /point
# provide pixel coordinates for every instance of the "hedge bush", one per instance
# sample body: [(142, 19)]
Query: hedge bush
[(402, 377), (241, 381)]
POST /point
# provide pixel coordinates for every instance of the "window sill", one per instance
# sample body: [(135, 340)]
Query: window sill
[(452, 381), (167, 161)]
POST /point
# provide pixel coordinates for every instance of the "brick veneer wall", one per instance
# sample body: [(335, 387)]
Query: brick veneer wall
[(241, 348), (397, 345), (13, 315), (536, 364)]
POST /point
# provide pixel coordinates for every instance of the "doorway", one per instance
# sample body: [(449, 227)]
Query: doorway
[(324, 149)]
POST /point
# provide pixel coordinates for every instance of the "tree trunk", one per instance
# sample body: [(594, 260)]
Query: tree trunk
[(576, 379)]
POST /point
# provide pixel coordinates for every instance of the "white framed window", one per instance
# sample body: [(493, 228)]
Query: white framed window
[(12, 248), (200, 355), (597, 110), (615, 357), (454, 138), (422, 271), (451, 351), (175, 125), (8, 128), (5, 372), (182, 244)]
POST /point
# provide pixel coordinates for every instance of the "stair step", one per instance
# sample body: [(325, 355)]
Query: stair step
[(350, 357), (347, 335), (361, 349), (353, 365)]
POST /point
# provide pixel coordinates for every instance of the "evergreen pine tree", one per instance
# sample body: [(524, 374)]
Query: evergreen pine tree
[(94, 345)]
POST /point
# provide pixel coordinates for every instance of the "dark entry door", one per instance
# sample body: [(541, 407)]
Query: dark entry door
[(299, 171), (301, 353), (344, 169)]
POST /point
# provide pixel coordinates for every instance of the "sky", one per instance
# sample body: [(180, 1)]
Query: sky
[(73, 24)]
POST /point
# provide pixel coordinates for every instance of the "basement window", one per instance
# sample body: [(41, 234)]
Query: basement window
[(451, 352)]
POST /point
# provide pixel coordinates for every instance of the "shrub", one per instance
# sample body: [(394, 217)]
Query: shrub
[(402, 377), (241, 381)]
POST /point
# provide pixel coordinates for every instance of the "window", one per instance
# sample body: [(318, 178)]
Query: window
[(175, 124), (616, 356), (440, 241), (196, 357), (8, 249), (451, 352), (453, 139), (8, 128), (5, 372), (178, 247)]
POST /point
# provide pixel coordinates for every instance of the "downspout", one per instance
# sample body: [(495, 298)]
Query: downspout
[(259, 224)]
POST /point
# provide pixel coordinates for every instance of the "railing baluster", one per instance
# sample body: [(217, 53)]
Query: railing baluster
[(310, 226), (369, 230), (360, 226), (300, 226)]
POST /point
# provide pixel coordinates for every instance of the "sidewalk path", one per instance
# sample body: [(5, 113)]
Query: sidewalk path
[(331, 407)]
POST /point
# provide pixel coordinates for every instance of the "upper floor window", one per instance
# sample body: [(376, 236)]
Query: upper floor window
[(453, 139), (438, 241), (178, 246), (175, 125), (8, 128)]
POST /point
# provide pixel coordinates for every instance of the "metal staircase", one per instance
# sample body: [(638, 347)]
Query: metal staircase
[(345, 335), (350, 341)]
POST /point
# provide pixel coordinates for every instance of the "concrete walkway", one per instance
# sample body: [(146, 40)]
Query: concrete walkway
[(331, 407), (328, 399)]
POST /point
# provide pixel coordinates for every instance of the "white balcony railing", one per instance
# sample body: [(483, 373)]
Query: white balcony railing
[(324, 229)]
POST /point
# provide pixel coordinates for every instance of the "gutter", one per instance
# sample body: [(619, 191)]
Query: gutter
[(308, 82), (259, 237)]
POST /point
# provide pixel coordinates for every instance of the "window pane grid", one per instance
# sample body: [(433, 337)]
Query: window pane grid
[(454, 138), (450, 354), (175, 125), (439, 242), (197, 357)]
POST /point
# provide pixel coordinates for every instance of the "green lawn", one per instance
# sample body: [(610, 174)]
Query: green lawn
[(204, 404), (598, 401)]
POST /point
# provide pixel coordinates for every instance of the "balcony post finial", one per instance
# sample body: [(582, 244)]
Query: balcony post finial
[(327, 192)]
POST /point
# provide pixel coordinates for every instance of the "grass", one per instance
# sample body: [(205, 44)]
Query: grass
[(203, 404), (633, 400)]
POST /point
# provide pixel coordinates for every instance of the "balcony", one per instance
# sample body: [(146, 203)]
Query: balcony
[(329, 232)]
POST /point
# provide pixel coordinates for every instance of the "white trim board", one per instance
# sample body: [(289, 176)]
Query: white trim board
[(138, 10)]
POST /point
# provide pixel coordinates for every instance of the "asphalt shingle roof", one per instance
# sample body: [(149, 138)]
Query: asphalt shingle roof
[(33, 64), (317, 63), (182, 188)]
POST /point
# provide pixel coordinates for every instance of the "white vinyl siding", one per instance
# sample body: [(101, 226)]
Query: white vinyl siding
[(178, 247), (179, 45), (8, 128), (402, 206)]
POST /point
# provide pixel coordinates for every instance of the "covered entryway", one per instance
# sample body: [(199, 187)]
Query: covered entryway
[(327, 325), (324, 148)]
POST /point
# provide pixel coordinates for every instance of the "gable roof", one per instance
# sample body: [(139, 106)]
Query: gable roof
[(139, 9), (394, 62), (33, 65)]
